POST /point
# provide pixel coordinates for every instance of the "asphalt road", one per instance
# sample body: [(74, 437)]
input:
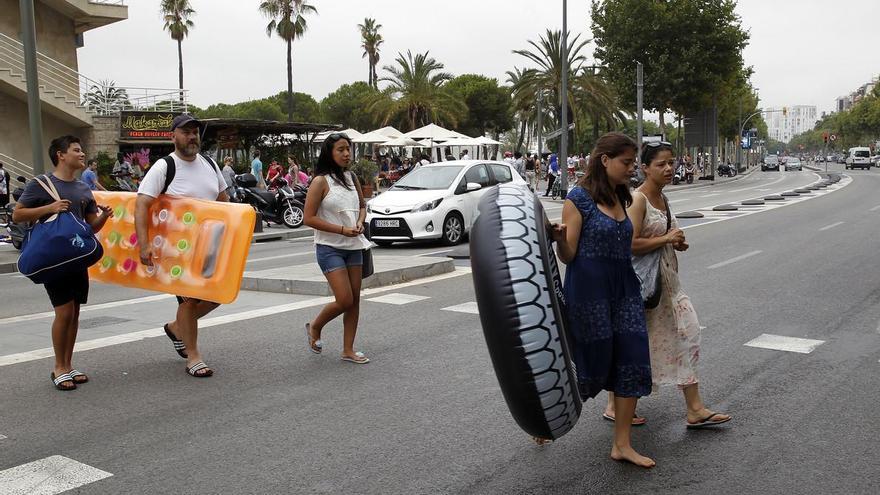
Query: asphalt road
[(426, 416)]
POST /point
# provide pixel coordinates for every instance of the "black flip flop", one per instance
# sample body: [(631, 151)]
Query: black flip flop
[(179, 347), (707, 422)]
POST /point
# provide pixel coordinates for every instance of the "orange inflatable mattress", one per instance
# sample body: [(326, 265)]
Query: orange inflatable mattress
[(199, 247)]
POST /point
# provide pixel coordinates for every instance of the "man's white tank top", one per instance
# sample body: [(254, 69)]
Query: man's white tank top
[(340, 207)]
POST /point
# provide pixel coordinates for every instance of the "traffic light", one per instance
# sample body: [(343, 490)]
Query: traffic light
[(825, 137)]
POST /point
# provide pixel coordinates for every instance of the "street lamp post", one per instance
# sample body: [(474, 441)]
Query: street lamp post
[(563, 141), (29, 43)]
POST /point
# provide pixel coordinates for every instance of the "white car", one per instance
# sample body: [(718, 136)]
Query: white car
[(436, 201)]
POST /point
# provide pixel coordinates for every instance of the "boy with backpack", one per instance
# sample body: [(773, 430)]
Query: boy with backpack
[(71, 291)]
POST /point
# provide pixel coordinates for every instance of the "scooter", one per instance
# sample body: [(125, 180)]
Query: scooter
[(676, 178), (280, 206), (726, 170), (17, 231), (689, 174)]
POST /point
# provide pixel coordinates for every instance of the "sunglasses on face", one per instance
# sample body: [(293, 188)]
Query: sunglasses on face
[(336, 136)]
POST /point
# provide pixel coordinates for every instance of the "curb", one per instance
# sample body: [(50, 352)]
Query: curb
[(317, 285), (711, 183), (281, 235)]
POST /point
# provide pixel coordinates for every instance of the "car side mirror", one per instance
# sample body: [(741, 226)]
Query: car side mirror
[(473, 186)]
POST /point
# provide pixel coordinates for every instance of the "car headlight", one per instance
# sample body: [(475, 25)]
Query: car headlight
[(430, 205)]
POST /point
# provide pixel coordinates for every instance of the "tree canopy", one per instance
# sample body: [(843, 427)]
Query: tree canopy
[(488, 104)]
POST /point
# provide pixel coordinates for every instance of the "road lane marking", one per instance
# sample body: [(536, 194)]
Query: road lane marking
[(86, 345), (84, 309), (672, 202), (280, 256), (783, 343), (875, 208), (734, 260), (753, 187), (710, 195), (398, 298), (835, 224), (468, 307), (48, 476), (3, 437)]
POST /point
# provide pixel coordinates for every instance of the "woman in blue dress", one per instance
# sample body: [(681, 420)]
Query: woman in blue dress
[(606, 315)]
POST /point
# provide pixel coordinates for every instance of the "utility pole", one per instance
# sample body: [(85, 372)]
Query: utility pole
[(640, 89), (540, 126), (739, 138), (563, 141), (29, 42)]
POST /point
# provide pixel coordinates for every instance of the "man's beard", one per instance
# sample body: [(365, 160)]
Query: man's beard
[(189, 149)]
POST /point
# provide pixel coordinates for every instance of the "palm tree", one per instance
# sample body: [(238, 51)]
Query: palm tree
[(589, 95), (177, 14), (105, 97), (288, 21), (370, 42), (415, 95)]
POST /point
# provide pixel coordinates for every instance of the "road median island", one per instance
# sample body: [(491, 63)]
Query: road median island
[(307, 279)]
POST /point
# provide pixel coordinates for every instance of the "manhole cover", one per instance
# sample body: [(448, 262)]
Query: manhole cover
[(100, 321)]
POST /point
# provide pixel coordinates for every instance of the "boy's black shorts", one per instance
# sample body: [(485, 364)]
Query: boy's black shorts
[(74, 287)]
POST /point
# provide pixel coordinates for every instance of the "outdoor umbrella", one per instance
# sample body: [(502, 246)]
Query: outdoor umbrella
[(403, 141), (389, 131)]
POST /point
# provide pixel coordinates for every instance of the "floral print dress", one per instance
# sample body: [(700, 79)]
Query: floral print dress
[(673, 327)]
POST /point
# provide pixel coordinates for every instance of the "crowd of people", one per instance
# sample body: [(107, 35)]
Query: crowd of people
[(611, 237)]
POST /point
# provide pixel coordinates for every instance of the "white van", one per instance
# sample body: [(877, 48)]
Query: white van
[(859, 157)]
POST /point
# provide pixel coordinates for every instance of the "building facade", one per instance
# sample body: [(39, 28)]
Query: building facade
[(59, 28), (785, 123), (844, 103)]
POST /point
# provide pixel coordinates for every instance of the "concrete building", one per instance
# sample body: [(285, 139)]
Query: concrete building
[(844, 103), (783, 124), (68, 99)]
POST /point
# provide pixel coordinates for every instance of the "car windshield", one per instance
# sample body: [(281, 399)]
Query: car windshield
[(429, 177), (771, 159), (792, 160), (862, 153)]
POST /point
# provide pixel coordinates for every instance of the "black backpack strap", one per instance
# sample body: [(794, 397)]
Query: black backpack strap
[(170, 171), (211, 161)]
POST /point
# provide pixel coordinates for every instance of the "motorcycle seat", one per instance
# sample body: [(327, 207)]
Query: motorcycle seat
[(266, 196)]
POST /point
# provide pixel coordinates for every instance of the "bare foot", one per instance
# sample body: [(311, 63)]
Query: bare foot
[(629, 455)]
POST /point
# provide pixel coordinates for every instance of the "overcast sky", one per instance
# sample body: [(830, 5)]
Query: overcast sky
[(803, 51)]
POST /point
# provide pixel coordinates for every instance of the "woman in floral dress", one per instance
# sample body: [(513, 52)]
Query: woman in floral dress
[(673, 328)]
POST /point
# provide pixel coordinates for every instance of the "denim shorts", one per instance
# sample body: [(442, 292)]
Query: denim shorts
[(331, 258)]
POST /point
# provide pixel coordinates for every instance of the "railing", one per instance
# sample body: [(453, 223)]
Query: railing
[(102, 98), (15, 168)]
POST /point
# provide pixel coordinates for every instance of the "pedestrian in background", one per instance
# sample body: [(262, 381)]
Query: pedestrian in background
[(66, 294), (90, 176), (552, 173), (606, 315), (257, 170), (530, 173), (335, 208), (519, 164), (673, 327), (5, 186)]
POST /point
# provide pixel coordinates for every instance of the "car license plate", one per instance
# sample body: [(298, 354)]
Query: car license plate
[(387, 223)]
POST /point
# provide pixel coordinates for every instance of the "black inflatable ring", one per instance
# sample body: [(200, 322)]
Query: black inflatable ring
[(522, 310)]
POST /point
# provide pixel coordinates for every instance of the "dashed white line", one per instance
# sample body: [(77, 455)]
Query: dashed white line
[(398, 299), (48, 476), (783, 343), (3, 437), (96, 307), (218, 320), (436, 252), (710, 195), (734, 260), (468, 307), (835, 224)]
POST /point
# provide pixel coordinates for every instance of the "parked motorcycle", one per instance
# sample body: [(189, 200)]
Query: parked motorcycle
[(676, 178), (725, 169), (280, 206), (16, 231), (689, 174)]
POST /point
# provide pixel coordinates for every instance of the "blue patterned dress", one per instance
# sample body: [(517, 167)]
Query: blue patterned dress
[(606, 315)]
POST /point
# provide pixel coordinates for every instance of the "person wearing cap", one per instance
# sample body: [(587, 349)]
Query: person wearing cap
[(195, 176)]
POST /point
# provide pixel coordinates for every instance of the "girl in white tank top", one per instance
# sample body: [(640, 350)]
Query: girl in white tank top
[(335, 208)]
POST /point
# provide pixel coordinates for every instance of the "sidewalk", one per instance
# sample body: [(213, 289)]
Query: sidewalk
[(307, 279), (8, 258)]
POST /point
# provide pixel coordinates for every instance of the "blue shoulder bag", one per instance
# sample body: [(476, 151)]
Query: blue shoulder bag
[(59, 245)]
